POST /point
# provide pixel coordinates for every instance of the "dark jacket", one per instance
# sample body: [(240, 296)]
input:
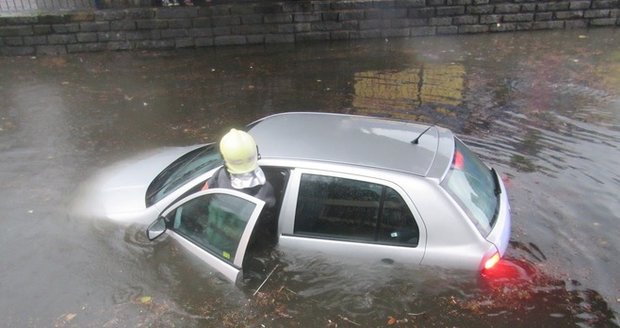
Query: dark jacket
[(264, 192)]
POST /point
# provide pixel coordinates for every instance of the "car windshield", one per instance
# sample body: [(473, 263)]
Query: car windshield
[(474, 187), (184, 169)]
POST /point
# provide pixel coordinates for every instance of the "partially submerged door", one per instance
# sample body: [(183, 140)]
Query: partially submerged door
[(215, 225)]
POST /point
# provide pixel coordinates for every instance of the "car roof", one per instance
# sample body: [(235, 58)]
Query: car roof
[(355, 140)]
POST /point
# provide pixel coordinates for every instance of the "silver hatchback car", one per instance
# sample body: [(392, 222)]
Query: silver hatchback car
[(346, 185)]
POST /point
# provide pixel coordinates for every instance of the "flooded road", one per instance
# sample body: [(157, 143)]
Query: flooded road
[(542, 108)]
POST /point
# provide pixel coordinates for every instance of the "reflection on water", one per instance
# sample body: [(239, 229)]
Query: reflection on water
[(542, 108), (438, 86)]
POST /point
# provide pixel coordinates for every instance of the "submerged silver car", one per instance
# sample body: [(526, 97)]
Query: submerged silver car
[(349, 186)]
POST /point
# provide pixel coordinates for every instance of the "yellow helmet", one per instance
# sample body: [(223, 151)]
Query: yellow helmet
[(239, 151)]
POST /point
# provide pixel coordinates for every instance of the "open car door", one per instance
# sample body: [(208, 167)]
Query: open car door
[(215, 225)]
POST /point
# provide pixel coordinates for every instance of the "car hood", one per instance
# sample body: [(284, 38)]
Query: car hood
[(118, 192)]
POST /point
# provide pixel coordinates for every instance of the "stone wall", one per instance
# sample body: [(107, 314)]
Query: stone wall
[(266, 22)]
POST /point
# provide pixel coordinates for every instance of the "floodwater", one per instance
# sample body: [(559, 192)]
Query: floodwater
[(542, 108)]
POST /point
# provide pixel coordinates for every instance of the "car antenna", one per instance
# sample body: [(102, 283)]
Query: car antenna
[(417, 140)]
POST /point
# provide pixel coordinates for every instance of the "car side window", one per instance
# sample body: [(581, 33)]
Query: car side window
[(215, 222), (353, 210)]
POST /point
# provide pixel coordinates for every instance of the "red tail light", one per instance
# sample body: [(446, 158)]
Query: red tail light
[(492, 261)]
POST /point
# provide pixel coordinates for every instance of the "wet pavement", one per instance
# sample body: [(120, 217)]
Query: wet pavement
[(543, 108)]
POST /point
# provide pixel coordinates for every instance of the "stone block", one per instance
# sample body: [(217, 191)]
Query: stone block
[(603, 22), (110, 15), (51, 50), (412, 3), (25, 20), (17, 51), (279, 38), (61, 39), (251, 19), (569, 14), (177, 12), (205, 22), (601, 4), (35, 40), (203, 42), (174, 33), (66, 28), (354, 4), (524, 26), (224, 30), (599, 13), (435, 21), (112, 36), (329, 16), (528, 7), (371, 24), (297, 7), (350, 15), (306, 17), (123, 25), (261, 29), (22, 30), (458, 2), (480, 10), (278, 18), (86, 37), (543, 16), (576, 5), (421, 12), (518, 18), (480, 2), (372, 14), (268, 8), (571, 24), (552, 6), (490, 19), (184, 43), (151, 24), (466, 29), (13, 41), (255, 39), (225, 20), (507, 8), (95, 26), (53, 19), (86, 47), (502, 27), (143, 35), (394, 13), (155, 44), (311, 36), (201, 32), (435, 2), (285, 28), (119, 45), (242, 9), (399, 23), (326, 26), (447, 30), (465, 20), (179, 23), (450, 11), (141, 13), (42, 29), (422, 31), (548, 25)]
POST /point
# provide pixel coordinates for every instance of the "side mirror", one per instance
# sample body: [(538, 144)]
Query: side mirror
[(156, 229)]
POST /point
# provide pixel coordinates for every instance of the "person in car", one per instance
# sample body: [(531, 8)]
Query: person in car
[(241, 171)]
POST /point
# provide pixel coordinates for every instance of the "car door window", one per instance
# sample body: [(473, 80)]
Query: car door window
[(215, 222), (341, 208)]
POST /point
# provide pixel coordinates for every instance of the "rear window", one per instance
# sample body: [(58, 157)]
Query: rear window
[(181, 171), (473, 185)]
